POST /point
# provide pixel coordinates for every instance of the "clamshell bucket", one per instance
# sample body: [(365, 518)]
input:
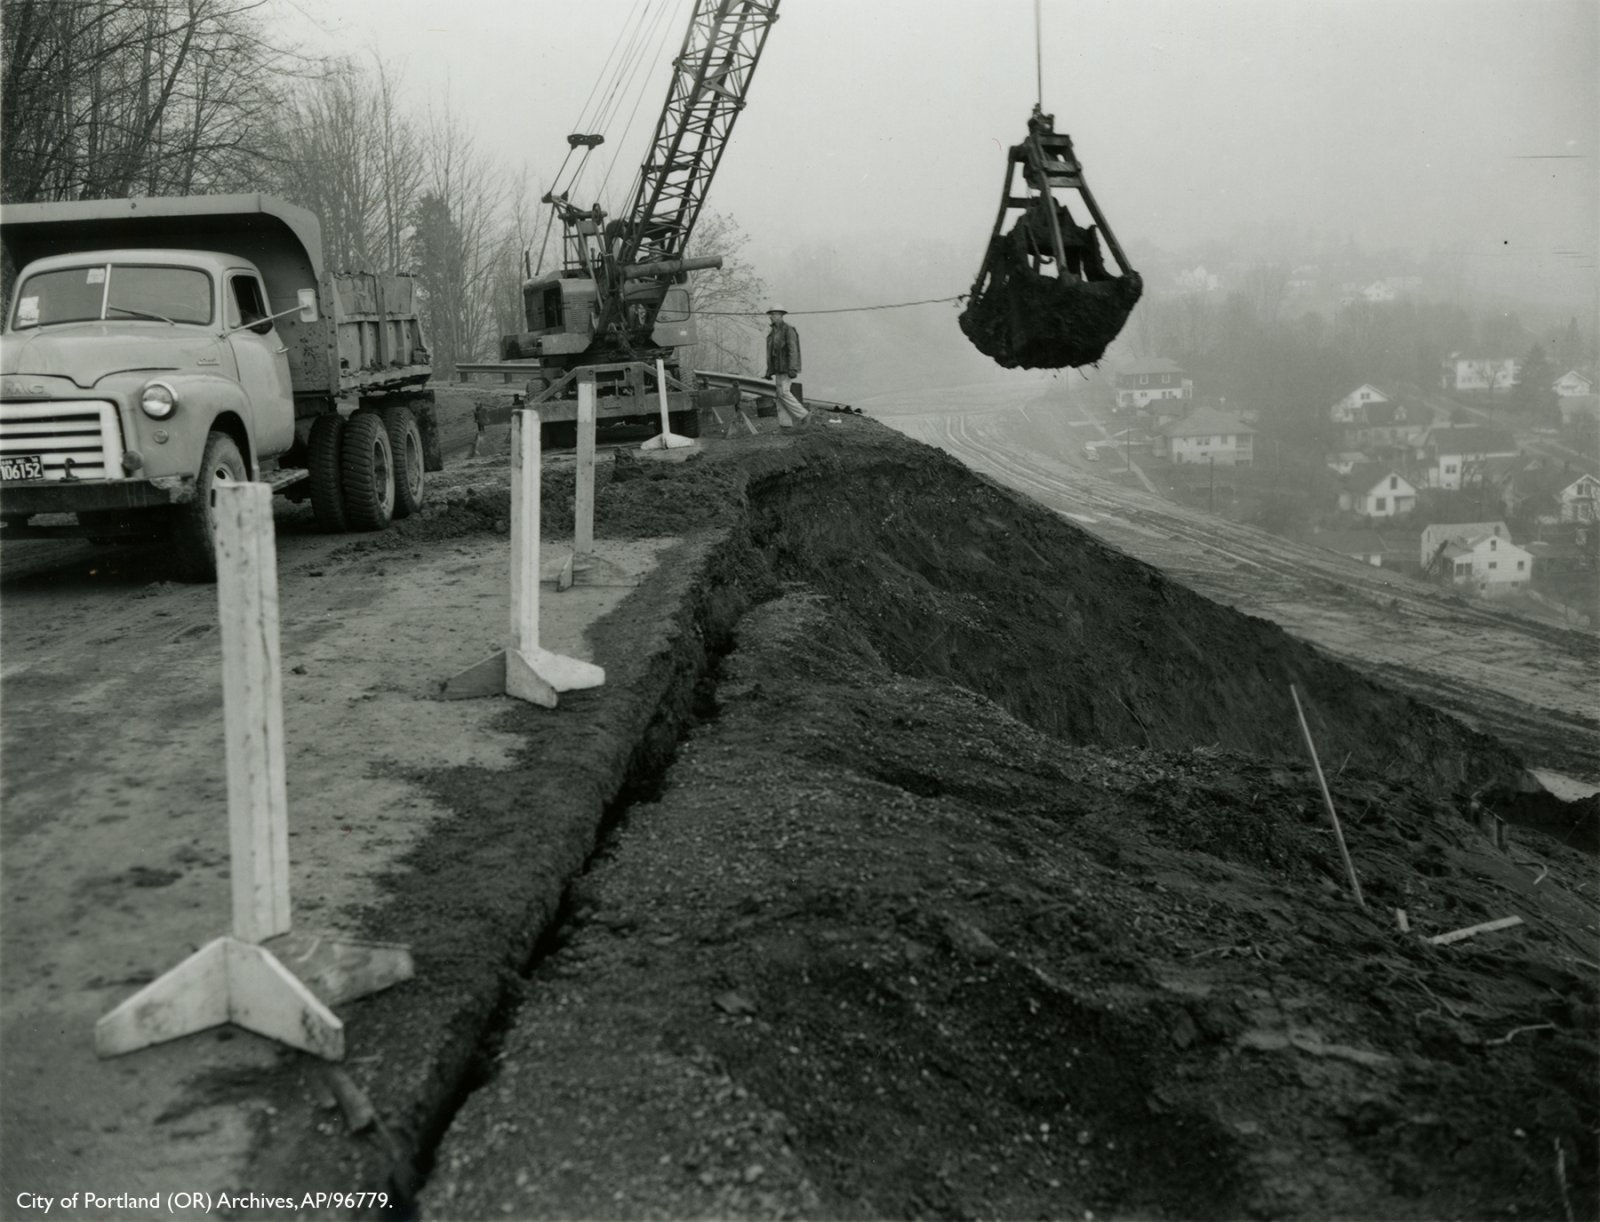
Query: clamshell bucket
[(1044, 298)]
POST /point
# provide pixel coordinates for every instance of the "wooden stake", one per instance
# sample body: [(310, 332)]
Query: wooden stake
[(583, 491), (523, 668), (666, 439), (238, 979), (1327, 798)]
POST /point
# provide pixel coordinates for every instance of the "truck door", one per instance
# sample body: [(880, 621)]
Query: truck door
[(263, 363)]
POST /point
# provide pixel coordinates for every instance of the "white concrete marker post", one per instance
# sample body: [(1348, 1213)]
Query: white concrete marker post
[(241, 979), (524, 669), (666, 439), (582, 557)]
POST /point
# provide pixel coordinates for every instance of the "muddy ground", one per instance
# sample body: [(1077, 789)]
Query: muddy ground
[(965, 867)]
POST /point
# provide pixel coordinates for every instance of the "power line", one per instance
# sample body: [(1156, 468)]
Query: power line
[(897, 305)]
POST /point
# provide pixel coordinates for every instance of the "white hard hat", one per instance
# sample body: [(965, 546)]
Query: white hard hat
[(776, 309)]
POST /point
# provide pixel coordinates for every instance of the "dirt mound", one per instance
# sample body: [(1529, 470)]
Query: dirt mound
[(955, 578), (948, 965)]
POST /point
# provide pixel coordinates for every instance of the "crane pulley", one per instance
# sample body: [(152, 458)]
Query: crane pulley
[(1043, 298)]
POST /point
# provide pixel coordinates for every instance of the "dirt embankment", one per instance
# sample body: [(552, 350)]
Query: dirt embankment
[(990, 880)]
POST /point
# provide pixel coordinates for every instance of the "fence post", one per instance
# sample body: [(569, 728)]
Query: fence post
[(242, 979)]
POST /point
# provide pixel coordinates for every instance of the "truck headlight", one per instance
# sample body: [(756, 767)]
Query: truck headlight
[(158, 401)]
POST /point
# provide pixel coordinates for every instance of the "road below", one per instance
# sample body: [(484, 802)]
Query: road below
[(1532, 684)]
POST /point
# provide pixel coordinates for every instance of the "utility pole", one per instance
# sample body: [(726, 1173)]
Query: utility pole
[(1212, 496)]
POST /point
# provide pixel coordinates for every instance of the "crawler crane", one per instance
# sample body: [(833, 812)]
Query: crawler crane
[(619, 303)]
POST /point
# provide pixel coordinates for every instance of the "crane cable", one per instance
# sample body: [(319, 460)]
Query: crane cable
[(895, 305), (1038, 50)]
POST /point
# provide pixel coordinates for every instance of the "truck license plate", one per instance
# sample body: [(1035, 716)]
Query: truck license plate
[(22, 466)]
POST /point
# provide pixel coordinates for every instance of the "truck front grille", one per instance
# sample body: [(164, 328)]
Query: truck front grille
[(74, 438)]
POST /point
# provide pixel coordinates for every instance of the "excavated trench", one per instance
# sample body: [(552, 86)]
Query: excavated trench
[(951, 579)]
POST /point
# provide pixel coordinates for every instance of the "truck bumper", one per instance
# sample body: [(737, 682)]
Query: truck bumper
[(23, 500)]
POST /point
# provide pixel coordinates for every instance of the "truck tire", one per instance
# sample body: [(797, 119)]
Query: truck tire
[(405, 439), (685, 423), (194, 535), (366, 466), (422, 407), (322, 458)]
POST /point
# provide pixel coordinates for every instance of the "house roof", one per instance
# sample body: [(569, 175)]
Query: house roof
[(1206, 422), (1366, 476), (1158, 364), (1573, 373)]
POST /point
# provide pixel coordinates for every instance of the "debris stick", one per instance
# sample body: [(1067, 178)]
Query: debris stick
[(1327, 798), (1458, 935)]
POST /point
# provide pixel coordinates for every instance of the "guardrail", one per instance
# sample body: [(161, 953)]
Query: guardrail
[(759, 386)]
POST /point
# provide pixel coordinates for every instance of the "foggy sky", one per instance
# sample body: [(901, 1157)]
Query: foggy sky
[(1410, 124)]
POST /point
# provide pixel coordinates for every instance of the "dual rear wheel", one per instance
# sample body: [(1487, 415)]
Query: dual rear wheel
[(367, 470)]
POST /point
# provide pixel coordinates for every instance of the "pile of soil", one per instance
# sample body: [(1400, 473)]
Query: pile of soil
[(990, 879)]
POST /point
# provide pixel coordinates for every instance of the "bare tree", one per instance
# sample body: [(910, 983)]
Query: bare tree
[(727, 300), (457, 242), (342, 149), (105, 98)]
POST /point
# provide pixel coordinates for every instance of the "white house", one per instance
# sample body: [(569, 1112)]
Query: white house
[(1573, 383), (1145, 381), (1579, 500), (1376, 491), (1477, 554), (1455, 453), (1479, 372), (1352, 409), (1345, 461), (1208, 435)]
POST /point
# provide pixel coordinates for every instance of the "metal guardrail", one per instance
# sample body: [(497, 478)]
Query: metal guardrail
[(760, 386)]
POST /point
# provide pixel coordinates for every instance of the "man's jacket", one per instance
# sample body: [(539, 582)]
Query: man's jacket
[(783, 351)]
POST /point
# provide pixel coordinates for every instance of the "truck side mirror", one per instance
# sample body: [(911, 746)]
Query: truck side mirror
[(308, 305)]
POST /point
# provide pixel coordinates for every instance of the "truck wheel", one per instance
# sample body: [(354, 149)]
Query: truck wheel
[(405, 440), (194, 537), (685, 423), (327, 496), (366, 465), (422, 407)]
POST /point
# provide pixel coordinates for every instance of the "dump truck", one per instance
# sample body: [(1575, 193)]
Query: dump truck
[(155, 347)]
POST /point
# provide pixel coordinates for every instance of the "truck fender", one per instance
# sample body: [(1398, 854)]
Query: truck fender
[(207, 402)]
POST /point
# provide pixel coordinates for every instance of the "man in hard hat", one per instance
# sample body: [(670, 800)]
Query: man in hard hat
[(783, 366)]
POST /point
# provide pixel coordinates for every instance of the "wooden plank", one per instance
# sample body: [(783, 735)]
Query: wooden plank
[(525, 473), (190, 997), (265, 997), (583, 490), (341, 969), (1327, 799), (252, 695)]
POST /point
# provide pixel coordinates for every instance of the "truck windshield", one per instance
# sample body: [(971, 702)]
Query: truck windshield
[(86, 294)]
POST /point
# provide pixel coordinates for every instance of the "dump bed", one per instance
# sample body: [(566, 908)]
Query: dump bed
[(367, 335)]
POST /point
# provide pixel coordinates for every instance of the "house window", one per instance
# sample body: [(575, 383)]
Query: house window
[(1394, 481), (1144, 380), (1492, 542), (1493, 564), (1450, 469), (1380, 504), (1521, 564)]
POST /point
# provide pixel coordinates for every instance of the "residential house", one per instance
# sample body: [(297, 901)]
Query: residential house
[(1479, 372), (1454, 454), (1578, 500), (1145, 381), (1388, 430), (1365, 545), (1480, 555), (1379, 290), (1373, 490), (1352, 409), (1208, 435), (1573, 383)]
